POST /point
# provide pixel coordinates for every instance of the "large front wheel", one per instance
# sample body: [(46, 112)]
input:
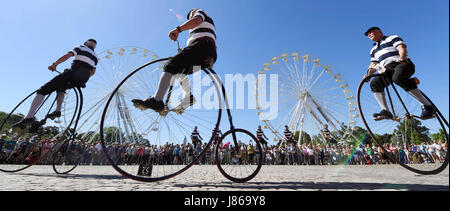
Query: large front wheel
[(416, 144), (150, 146), (21, 148)]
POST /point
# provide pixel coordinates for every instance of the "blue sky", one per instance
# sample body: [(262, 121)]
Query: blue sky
[(250, 32)]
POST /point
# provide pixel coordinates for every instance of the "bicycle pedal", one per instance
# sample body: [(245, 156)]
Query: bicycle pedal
[(179, 111), (164, 112), (432, 117), (140, 107), (379, 118)]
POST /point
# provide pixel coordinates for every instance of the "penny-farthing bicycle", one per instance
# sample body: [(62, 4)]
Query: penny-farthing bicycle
[(23, 149), (68, 153), (159, 148), (418, 144)]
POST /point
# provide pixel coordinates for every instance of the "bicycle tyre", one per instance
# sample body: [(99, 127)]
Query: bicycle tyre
[(442, 124), (224, 168), (121, 168)]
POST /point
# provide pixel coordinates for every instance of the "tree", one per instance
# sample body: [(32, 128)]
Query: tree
[(412, 132), (50, 131), (306, 138), (113, 134), (11, 120), (439, 136), (89, 137)]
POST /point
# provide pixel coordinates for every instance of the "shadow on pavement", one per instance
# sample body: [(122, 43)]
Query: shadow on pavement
[(269, 186), (74, 176), (320, 186)]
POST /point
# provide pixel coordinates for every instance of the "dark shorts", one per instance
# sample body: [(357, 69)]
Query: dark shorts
[(332, 141), (196, 54), (398, 73), (70, 78)]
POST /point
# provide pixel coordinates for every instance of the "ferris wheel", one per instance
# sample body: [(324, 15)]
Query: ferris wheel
[(114, 64), (311, 96)]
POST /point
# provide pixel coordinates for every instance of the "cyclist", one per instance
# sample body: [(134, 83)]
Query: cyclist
[(262, 137), (328, 135), (195, 137), (200, 50), (288, 135), (83, 67), (217, 136), (389, 53)]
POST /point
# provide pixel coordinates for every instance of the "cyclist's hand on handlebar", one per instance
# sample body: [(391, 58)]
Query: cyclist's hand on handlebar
[(52, 67), (173, 35), (370, 72)]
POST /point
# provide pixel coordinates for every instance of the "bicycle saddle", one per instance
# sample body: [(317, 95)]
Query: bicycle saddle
[(208, 63)]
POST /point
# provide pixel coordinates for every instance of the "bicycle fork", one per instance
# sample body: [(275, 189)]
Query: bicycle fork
[(227, 106)]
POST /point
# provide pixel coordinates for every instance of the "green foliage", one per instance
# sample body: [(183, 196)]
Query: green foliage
[(439, 136), (412, 132), (306, 138), (11, 120)]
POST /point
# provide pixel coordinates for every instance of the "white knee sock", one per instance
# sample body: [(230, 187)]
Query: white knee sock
[(59, 101), (381, 99), (416, 93), (35, 105), (185, 84), (164, 84)]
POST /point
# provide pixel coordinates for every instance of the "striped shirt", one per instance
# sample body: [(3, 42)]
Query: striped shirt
[(385, 51), (195, 135), (259, 134), (327, 133), (205, 29), (84, 56), (288, 134)]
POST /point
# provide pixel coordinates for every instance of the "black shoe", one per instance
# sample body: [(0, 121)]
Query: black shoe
[(384, 114), (25, 122), (427, 112), (54, 115), (150, 103)]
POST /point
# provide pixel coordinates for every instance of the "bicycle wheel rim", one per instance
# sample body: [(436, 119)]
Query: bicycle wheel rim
[(8, 169), (121, 168), (69, 164), (242, 173), (414, 160), (67, 156)]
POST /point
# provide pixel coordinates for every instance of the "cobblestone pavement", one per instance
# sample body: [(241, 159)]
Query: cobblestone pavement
[(208, 178)]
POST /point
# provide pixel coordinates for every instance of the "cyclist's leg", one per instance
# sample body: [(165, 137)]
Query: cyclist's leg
[(402, 76), (188, 61), (163, 86), (73, 78), (378, 84), (59, 100), (47, 89), (174, 66)]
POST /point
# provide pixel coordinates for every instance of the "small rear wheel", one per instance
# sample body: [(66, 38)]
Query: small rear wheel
[(239, 163)]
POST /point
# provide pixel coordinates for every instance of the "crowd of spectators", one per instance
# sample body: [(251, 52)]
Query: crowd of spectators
[(367, 154), (15, 150)]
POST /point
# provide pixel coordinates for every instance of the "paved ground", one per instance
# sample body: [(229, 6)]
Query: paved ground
[(208, 178)]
